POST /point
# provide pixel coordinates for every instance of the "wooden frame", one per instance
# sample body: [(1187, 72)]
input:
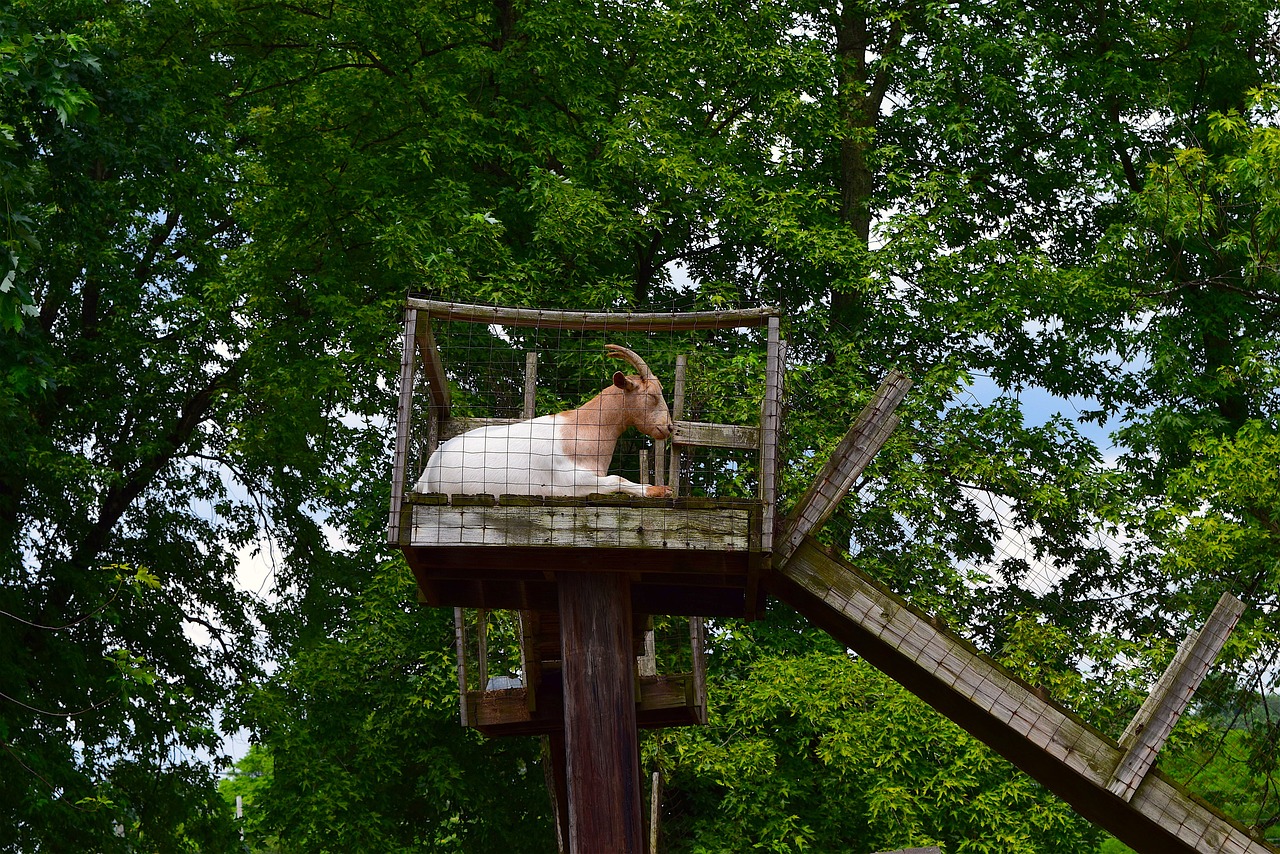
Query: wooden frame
[(702, 527)]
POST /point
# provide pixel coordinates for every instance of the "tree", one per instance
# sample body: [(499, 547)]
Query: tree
[(227, 204), (368, 753), (819, 751)]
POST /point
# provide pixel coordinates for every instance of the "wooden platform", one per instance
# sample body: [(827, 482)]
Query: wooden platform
[(687, 556), (661, 701)]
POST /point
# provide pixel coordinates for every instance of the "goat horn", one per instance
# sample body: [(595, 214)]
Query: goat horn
[(619, 352)]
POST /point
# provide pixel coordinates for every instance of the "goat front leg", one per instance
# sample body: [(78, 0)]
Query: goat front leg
[(582, 483)]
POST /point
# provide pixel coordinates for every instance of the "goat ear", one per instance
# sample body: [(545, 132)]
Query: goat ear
[(621, 381)]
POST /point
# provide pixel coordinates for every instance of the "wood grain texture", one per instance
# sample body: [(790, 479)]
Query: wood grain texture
[(403, 412), (433, 367), (850, 458), (770, 427), (1151, 726), (597, 321), (1052, 745), (601, 527), (602, 759), (708, 435)]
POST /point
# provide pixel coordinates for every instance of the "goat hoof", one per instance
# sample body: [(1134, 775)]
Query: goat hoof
[(657, 492)]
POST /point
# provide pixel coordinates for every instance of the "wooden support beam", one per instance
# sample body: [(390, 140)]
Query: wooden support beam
[(1062, 752), (655, 811), (597, 321), (1147, 732), (770, 426), (403, 411), (433, 367), (530, 385), (602, 757), (460, 646), (677, 413), (557, 786), (851, 457), (708, 435)]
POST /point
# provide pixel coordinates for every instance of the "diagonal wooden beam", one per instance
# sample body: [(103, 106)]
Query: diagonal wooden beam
[(433, 367), (850, 459), (1149, 729), (1065, 754)]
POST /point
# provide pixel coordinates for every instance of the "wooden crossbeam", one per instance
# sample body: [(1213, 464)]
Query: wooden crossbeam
[(1149, 729), (851, 457), (596, 321), (708, 435), (1065, 754)]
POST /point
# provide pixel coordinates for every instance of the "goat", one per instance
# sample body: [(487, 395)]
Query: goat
[(563, 454)]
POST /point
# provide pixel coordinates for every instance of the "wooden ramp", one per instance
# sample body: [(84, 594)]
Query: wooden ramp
[(1066, 755)]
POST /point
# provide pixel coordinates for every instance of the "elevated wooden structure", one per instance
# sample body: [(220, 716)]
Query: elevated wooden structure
[(585, 573), (688, 555)]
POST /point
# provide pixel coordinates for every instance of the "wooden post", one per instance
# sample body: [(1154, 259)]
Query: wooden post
[(553, 767), (460, 642), (770, 423), (401, 461), (530, 385), (677, 413), (1149, 728), (850, 458), (655, 811), (602, 757)]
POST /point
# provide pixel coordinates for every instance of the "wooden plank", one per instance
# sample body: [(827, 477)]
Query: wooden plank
[(482, 647), (770, 425), (661, 701), (530, 384), (708, 435), (602, 757), (433, 367), (598, 527), (698, 645), (597, 321), (1058, 749), (557, 786), (403, 409), (460, 645), (647, 662), (1150, 727), (530, 661), (655, 810), (851, 457), (457, 426), (677, 413)]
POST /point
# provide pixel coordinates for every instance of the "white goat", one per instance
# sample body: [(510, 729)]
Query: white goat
[(563, 454)]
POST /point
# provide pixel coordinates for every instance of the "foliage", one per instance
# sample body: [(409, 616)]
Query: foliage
[(367, 751), (247, 780), (820, 751), (224, 204)]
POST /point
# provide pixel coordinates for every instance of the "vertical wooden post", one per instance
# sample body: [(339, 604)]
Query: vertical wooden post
[(677, 413), (655, 811), (553, 766), (530, 385), (770, 423), (401, 461), (602, 757), (460, 640)]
